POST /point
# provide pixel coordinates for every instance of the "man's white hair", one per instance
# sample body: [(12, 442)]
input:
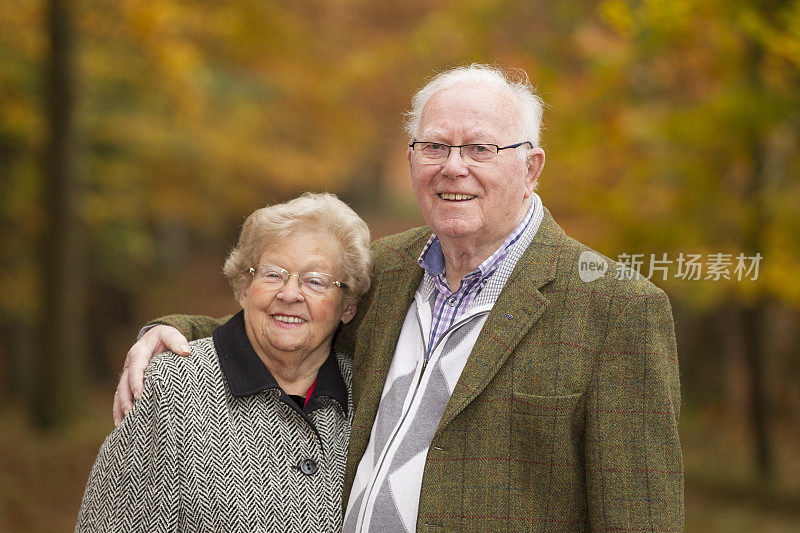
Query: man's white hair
[(514, 82)]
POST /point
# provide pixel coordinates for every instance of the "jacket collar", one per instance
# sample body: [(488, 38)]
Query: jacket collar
[(394, 286), (246, 374), (517, 309)]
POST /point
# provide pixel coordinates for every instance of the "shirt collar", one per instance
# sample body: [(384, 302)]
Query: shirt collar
[(246, 374), (432, 258)]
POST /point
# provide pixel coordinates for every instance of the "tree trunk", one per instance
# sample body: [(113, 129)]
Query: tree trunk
[(59, 367), (752, 327), (764, 157)]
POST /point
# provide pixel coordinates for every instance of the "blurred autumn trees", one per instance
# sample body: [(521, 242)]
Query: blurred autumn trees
[(672, 127)]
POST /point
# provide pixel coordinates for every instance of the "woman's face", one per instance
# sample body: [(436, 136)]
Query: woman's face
[(286, 322)]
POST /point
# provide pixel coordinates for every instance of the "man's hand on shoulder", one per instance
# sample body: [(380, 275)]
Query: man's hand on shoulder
[(156, 340)]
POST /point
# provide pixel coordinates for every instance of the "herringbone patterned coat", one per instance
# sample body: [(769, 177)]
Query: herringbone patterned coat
[(565, 417), (192, 457)]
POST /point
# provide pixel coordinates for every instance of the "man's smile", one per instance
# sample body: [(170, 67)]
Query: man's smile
[(455, 196)]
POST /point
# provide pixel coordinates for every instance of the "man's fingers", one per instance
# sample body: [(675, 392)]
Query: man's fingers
[(117, 410), (123, 397), (156, 340), (131, 382), (172, 339), (138, 357), (136, 375), (123, 400)]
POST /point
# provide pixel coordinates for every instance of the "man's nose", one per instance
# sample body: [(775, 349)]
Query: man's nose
[(454, 166)]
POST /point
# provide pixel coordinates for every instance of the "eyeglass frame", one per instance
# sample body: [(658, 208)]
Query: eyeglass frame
[(336, 283), (462, 146)]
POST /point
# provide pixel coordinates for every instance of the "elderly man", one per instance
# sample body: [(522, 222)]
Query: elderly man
[(494, 389)]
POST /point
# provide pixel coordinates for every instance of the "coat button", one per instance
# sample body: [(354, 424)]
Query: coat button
[(308, 467)]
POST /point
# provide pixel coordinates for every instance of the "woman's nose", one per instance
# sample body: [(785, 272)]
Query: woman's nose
[(291, 289)]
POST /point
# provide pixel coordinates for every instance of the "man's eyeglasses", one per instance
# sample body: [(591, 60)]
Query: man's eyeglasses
[(479, 153), (311, 283)]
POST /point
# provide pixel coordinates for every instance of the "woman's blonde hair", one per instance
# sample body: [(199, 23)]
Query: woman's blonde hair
[(310, 212)]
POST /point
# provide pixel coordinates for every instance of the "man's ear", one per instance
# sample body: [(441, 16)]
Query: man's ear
[(349, 313), (535, 163), (409, 155)]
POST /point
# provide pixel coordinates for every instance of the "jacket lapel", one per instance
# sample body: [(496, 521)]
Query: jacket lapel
[(394, 292), (517, 309)]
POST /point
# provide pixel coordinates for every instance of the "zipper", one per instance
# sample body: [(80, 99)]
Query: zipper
[(401, 422)]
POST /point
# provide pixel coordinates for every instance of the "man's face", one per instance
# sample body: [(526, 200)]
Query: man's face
[(494, 194)]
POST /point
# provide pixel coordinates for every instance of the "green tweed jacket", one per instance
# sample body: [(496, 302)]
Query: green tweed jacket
[(565, 417)]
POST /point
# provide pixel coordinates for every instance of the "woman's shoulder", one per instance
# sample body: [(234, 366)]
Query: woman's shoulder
[(202, 361), (194, 382)]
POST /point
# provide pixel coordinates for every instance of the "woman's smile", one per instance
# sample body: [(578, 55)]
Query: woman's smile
[(289, 319)]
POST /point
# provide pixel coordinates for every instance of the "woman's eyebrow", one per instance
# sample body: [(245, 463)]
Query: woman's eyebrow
[(313, 266)]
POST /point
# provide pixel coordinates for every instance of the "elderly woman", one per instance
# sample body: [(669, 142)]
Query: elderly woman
[(250, 432)]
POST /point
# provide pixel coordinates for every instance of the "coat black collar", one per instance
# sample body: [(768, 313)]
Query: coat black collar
[(246, 374)]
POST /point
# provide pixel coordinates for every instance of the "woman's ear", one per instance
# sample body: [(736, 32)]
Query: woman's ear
[(243, 296)]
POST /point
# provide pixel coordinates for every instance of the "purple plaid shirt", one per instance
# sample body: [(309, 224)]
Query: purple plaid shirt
[(451, 305)]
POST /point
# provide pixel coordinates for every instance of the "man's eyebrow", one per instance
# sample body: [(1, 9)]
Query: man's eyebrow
[(431, 134), (484, 136), (476, 137)]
